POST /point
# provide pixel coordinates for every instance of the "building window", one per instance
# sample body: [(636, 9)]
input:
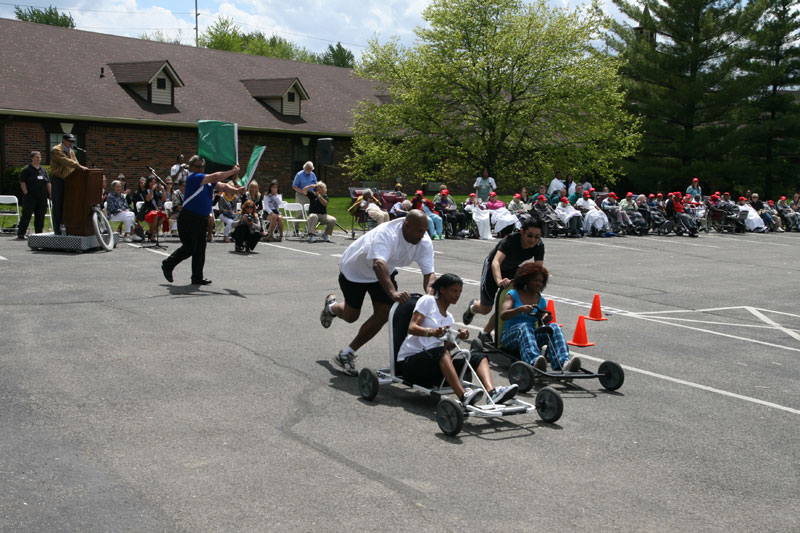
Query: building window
[(161, 83), (291, 97)]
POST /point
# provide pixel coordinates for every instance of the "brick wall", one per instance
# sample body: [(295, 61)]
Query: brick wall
[(130, 149)]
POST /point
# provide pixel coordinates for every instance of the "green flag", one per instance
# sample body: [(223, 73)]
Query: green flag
[(258, 151), (218, 144)]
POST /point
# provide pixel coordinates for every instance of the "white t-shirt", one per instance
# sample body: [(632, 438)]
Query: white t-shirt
[(586, 203), (176, 172), (385, 242), (434, 318)]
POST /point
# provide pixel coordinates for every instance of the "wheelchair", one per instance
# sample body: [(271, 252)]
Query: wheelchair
[(450, 414), (610, 374)]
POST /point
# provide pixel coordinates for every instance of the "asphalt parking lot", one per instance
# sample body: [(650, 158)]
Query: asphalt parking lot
[(129, 403)]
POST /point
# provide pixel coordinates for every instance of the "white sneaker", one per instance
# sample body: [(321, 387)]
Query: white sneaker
[(573, 365), (311, 238), (471, 397), (326, 317), (127, 239), (136, 238), (503, 394), (346, 361), (540, 363), (326, 238)]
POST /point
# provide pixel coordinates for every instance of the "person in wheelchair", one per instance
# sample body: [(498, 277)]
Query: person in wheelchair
[(524, 311), (426, 357)]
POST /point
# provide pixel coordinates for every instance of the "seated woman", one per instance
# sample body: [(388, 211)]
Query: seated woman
[(520, 310), (153, 208), (571, 217), (247, 228), (435, 228), (372, 206), (425, 357), (226, 202), (272, 202), (117, 210), (400, 209)]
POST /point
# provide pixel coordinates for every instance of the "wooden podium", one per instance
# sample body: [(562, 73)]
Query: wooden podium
[(82, 190)]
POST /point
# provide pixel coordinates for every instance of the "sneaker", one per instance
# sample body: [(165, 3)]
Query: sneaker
[(127, 239), (326, 317), (137, 238), (485, 338), (573, 365), (326, 237), (469, 314), (346, 361), (540, 363), (609, 234), (471, 397), (312, 238), (503, 394)]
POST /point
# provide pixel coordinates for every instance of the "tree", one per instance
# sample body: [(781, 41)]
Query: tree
[(224, 34), (160, 36), (338, 56), (770, 134), (513, 87), (48, 15), (681, 65)]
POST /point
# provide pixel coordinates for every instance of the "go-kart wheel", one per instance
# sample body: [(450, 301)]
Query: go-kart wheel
[(611, 375), (549, 405), (368, 383), (449, 416), (521, 375)]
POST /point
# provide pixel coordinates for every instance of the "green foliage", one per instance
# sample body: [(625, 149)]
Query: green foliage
[(160, 36), (224, 34), (769, 136), (500, 84), (11, 181), (49, 15), (681, 68), (338, 56)]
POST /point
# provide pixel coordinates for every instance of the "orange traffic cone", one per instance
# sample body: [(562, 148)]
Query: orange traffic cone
[(596, 313), (579, 339), (551, 308)]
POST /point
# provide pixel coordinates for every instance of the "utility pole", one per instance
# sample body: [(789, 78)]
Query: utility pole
[(196, 26)]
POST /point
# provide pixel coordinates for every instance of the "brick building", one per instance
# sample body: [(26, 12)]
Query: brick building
[(133, 103)]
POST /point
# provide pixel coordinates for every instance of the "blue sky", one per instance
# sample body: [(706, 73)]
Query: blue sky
[(313, 24)]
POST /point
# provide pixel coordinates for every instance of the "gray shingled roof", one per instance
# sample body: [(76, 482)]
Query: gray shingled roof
[(142, 71), (275, 88), (52, 71)]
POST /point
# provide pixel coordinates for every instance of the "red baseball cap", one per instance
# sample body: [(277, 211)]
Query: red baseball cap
[(695, 179), (586, 194), (726, 194), (742, 198), (782, 198), (771, 202), (445, 191), (629, 194), (564, 199), (542, 197), (492, 193), (661, 195), (517, 195), (419, 193), (651, 195), (472, 195), (592, 189), (612, 194)]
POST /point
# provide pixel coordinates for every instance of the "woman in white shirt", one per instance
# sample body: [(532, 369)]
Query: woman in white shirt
[(424, 358)]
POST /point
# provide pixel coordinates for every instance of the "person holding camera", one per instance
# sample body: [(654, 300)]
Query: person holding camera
[(179, 170), (247, 228)]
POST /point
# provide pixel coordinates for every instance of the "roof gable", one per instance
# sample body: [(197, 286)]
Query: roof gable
[(274, 88), (143, 72)]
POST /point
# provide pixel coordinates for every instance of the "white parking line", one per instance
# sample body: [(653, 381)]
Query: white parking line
[(771, 322), (147, 249), (3, 258), (682, 242), (679, 381), (761, 242), (292, 249)]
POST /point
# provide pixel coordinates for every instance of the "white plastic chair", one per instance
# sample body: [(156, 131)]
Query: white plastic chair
[(293, 213), (6, 209)]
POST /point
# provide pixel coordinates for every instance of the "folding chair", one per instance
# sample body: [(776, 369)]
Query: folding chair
[(9, 207), (294, 214)]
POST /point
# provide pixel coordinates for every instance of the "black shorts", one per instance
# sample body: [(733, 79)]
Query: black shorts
[(423, 368), (488, 286), (354, 292)]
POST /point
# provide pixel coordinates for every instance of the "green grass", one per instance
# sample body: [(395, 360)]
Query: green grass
[(337, 207)]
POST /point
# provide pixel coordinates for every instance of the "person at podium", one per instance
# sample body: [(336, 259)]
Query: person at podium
[(63, 162)]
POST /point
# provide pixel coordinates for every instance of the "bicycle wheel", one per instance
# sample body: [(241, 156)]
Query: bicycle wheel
[(102, 230)]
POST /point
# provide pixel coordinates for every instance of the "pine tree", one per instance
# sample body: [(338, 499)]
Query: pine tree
[(681, 66)]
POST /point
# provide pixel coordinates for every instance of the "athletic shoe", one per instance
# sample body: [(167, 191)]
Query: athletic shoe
[(573, 365), (609, 234), (485, 338), (137, 238), (469, 314), (326, 237), (540, 363), (503, 394), (326, 317), (167, 272), (201, 282), (311, 238), (471, 397), (346, 361)]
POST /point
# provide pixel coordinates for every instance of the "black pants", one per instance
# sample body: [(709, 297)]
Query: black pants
[(242, 236), (32, 205), (57, 192), (192, 230), (456, 220)]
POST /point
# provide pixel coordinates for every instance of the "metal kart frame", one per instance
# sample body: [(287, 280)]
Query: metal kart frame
[(525, 375), (450, 413)]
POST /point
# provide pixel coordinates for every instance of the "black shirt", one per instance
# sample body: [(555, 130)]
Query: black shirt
[(35, 180), (315, 206), (511, 246)]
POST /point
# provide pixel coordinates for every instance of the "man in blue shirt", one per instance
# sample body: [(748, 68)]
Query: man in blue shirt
[(193, 218), (304, 181)]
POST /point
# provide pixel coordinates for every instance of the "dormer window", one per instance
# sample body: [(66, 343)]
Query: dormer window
[(284, 95), (153, 81)]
